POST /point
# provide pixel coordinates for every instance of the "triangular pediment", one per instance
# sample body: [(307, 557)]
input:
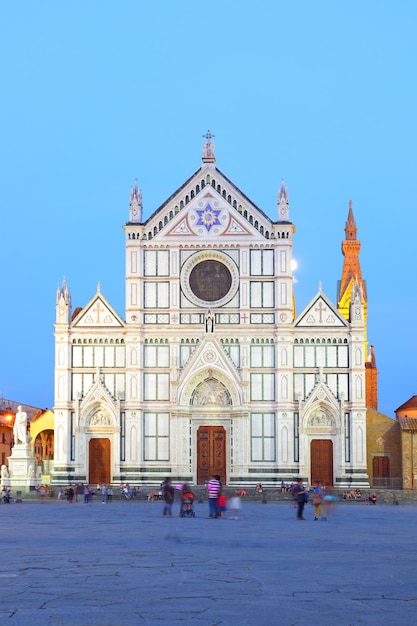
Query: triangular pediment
[(209, 354), (210, 364), (320, 312), (97, 313), (321, 409), (321, 394), (97, 394), (208, 206)]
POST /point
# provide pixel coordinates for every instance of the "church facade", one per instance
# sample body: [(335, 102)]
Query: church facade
[(210, 371)]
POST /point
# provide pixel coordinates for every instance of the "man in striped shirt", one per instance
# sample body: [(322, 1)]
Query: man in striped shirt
[(213, 487)]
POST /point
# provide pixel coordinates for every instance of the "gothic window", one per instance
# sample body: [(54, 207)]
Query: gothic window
[(156, 356), (156, 437), (156, 386), (262, 437), (156, 295), (261, 295), (262, 356), (233, 350), (262, 262), (262, 387)]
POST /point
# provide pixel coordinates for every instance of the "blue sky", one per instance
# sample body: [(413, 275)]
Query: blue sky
[(97, 93)]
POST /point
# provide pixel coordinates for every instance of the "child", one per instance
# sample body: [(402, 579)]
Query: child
[(221, 505), (234, 506)]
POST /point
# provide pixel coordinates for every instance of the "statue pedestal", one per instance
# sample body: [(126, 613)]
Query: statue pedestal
[(22, 467)]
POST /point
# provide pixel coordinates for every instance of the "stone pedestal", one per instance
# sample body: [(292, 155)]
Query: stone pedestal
[(22, 467)]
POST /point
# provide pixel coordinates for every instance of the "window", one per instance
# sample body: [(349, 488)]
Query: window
[(321, 355), (262, 387), (156, 356), (156, 387), (263, 437), (261, 295), (156, 437), (262, 356), (157, 295), (233, 350), (347, 437), (156, 262), (262, 262)]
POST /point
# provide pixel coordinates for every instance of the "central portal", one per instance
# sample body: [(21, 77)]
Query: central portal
[(322, 461), (211, 453)]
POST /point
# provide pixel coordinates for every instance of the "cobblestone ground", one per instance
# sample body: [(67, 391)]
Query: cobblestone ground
[(123, 563)]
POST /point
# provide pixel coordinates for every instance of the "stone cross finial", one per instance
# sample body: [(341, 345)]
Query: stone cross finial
[(208, 148)]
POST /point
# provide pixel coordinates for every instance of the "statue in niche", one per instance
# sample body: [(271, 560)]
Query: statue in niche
[(100, 419), (209, 323)]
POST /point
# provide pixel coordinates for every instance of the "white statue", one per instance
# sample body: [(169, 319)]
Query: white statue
[(4, 472), (20, 427)]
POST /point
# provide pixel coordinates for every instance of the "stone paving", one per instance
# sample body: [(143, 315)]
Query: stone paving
[(123, 563)]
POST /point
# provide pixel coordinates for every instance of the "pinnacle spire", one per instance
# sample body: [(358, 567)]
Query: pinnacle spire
[(350, 226), (135, 206), (283, 203)]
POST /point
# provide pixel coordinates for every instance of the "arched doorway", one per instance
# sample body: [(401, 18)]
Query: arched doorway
[(99, 461), (211, 453), (321, 461)]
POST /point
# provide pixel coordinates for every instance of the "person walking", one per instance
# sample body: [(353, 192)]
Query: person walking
[(318, 501), (300, 496), (214, 487), (168, 493), (103, 493)]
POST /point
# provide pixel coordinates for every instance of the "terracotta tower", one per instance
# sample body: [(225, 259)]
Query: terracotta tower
[(351, 275)]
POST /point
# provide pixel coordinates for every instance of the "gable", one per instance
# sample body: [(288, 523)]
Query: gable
[(206, 207), (97, 313), (320, 313)]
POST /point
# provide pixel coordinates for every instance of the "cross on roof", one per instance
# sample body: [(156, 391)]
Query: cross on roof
[(208, 135)]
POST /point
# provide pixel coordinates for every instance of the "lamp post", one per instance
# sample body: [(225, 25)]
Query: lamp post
[(10, 421)]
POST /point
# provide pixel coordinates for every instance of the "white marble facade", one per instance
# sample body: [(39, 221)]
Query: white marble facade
[(210, 369)]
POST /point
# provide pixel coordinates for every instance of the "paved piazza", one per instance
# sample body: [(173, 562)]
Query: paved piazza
[(123, 563)]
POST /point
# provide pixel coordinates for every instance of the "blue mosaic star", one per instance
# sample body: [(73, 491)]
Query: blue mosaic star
[(208, 217)]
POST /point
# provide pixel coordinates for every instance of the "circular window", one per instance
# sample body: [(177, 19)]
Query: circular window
[(209, 278)]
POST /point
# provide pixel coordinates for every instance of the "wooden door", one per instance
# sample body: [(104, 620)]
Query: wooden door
[(99, 461), (380, 471), (211, 453), (321, 461)]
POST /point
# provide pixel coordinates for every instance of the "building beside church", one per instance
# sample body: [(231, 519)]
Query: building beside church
[(210, 370)]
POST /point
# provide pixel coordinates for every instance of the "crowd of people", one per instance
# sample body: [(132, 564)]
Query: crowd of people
[(220, 503)]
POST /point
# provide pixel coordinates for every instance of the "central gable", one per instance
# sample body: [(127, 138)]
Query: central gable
[(207, 207)]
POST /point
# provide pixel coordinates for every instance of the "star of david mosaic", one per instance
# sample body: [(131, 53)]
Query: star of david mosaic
[(208, 217)]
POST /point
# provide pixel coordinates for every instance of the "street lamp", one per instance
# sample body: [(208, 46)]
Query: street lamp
[(9, 417)]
